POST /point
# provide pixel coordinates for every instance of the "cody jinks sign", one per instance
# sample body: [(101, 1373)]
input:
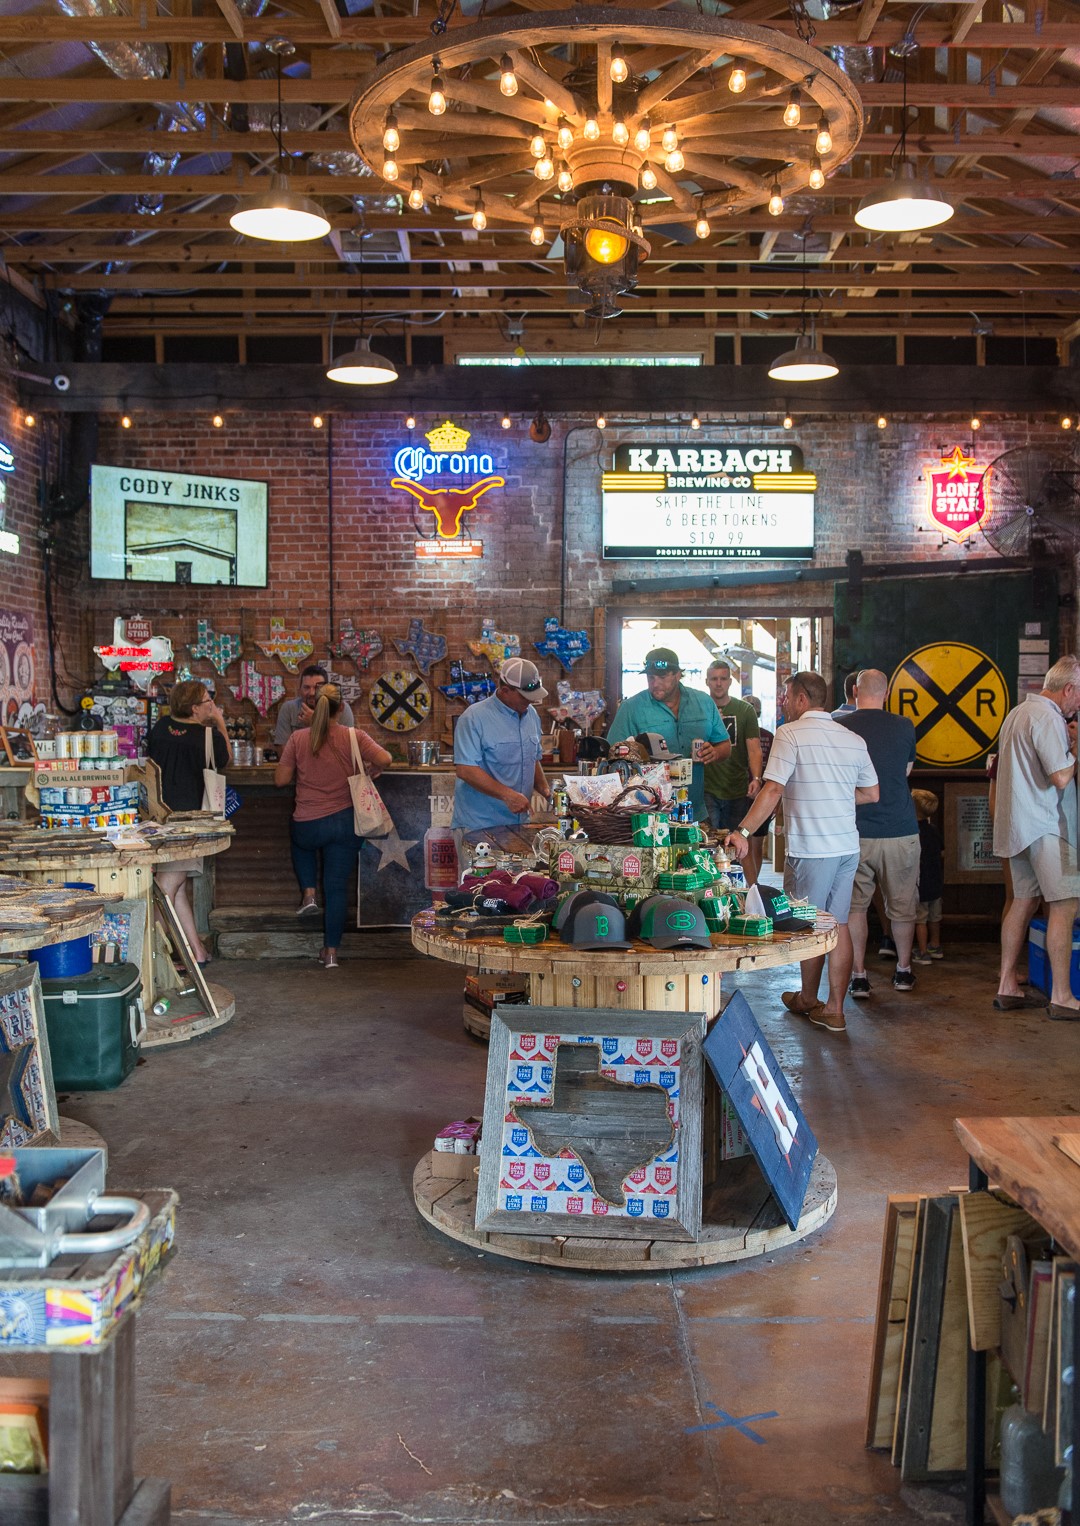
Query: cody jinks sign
[(708, 501), (956, 500)]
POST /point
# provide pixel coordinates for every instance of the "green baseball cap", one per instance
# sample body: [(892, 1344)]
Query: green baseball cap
[(667, 921)]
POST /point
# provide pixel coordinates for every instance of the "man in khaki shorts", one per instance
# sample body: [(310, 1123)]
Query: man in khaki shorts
[(1035, 828), (888, 832)]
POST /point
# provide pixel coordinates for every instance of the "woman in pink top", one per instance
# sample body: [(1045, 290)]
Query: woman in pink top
[(319, 758)]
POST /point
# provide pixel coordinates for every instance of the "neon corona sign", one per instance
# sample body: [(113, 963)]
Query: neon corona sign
[(447, 456), (956, 497)]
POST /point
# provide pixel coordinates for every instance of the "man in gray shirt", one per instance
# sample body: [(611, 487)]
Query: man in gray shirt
[(1035, 828), (297, 713)]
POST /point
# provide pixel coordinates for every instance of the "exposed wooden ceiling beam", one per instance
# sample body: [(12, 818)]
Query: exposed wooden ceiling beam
[(331, 17), (235, 20)]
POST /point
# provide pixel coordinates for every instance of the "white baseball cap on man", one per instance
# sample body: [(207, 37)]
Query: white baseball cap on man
[(520, 673)]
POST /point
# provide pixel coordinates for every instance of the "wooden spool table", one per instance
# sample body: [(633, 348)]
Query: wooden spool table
[(740, 1218), (129, 873)]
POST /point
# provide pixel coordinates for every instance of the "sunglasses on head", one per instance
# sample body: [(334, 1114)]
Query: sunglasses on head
[(660, 667), (529, 688)]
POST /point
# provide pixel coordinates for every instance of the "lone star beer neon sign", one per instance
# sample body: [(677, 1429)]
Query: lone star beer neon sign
[(956, 499), (447, 456)]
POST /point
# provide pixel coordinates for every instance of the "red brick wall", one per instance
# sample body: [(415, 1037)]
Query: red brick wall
[(871, 495), (22, 577)]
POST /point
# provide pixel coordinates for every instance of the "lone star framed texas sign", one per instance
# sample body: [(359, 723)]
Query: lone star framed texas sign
[(593, 1130)]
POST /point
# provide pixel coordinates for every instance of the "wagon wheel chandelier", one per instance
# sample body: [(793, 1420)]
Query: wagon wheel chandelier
[(602, 124)]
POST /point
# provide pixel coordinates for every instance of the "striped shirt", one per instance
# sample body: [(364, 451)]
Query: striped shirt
[(819, 764)]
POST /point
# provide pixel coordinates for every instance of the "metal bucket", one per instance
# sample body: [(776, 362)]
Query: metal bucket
[(422, 754)]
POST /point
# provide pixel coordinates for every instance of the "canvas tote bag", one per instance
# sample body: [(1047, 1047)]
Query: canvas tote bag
[(370, 816), (213, 798)]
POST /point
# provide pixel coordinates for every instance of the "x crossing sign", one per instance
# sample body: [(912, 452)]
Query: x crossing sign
[(956, 697)]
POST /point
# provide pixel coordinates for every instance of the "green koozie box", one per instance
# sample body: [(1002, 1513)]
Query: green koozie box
[(95, 1023)]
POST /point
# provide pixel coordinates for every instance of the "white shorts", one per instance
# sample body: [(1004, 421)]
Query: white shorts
[(1047, 867)]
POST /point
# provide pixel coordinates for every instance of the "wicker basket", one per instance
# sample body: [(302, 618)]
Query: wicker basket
[(610, 824)]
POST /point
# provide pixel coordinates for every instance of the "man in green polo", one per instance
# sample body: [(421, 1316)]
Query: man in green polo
[(731, 786), (681, 716)]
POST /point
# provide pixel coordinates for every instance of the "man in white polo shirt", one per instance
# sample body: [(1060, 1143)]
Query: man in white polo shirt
[(821, 771), (1035, 828)]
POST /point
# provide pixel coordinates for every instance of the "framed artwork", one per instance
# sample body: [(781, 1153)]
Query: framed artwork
[(182, 950), (969, 835), (747, 1073), (19, 749), (121, 937), (27, 1095), (594, 1131)]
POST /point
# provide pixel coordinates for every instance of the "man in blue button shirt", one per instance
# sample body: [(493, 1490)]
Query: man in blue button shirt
[(497, 752), (681, 716)]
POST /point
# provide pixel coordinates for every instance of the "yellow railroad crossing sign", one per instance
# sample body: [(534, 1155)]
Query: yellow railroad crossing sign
[(956, 697)]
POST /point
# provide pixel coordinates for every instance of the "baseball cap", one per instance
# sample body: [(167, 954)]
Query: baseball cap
[(594, 924), (662, 660), (655, 746), (667, 921), (520, 673), (778, 907), (565, 909)]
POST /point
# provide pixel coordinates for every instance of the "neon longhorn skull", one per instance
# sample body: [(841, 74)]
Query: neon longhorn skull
[(450, 503)]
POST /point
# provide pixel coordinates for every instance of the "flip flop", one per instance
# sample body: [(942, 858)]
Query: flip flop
[(793, 1002), (1062, 1014), (1016, 1003)]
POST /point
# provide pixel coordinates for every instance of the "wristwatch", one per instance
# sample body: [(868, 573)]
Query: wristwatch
[(742, 831)]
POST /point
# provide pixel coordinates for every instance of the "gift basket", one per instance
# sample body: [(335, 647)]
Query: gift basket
[(612, 824)]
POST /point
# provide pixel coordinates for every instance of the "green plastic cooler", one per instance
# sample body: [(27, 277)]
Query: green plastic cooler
[(95, 1023)]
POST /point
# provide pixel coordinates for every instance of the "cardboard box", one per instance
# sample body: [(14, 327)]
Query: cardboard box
[(454, 1168)]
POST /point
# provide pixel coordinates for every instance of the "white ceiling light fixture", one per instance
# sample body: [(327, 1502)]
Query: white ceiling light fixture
[(805, 362), (362, 366), (280, 216), (906, 204)]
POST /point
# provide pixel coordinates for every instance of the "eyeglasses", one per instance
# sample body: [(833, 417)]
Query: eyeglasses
[(529, 688), (661, 667)]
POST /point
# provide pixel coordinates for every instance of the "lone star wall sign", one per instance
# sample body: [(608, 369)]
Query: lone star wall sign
[(349, 686), (567, 646), (262, 689), (360, 646), (468, 687), (291, 647), (219, 648), (424, 646), (495, 645)]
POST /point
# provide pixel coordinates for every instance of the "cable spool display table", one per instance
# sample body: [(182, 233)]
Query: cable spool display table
[(126, 872), (740, 1218)]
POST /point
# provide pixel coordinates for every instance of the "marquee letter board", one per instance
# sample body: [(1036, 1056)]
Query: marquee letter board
[(593, 1130), (747, 1072)]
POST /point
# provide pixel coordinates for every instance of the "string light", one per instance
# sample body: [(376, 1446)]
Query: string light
[(648, 178), (643, 136), (618, 68), (736, 81), (410, 421), (390, 169), (29, 419), (544, 167), (479, 217), (882, 422), (317, 421), (817, 174), (674, 162), (506, 421), (620, 134), (1066, 422), (217, 421), (601, 421), (823, 141), (508, 82), (591, 130), (976, 422), (776, 200), (793, 109), (566, 177), (538, 145), (789, 422), (565, 135), (436, 101), (391, 138), (701, 227), (670, 140), (537, 235), (416, 194), (125, 422), (695, 422)]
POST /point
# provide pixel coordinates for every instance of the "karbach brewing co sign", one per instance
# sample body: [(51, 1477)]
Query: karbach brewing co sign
[(718, 501), (956, 495)]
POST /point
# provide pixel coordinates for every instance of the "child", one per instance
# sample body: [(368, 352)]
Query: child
[(931, 879)]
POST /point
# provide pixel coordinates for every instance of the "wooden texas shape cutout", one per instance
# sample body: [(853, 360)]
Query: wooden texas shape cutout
[(613, 1127)]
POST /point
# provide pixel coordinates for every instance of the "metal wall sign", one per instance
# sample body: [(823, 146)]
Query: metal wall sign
[(723, 501)]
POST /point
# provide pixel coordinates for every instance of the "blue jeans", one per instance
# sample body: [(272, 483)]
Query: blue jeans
[(726, 814), (340, 849)]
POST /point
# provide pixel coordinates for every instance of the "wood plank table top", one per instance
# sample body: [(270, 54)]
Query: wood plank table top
[(64, 857), (727, 953), (1020, 1156), (79, 926)]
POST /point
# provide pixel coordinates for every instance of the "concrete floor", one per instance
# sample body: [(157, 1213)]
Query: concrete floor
[(317, 1353)]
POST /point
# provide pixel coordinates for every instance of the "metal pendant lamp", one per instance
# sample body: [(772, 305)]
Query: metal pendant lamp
[(805, 362), (361, 366), (279, 216), (906, 204)]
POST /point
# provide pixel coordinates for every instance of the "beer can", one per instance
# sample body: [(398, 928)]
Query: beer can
[(161, 1006), (63, 744), (696, 748), (565, 825), (87, 764), (560, 801), (682, 795), (110, 744)]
